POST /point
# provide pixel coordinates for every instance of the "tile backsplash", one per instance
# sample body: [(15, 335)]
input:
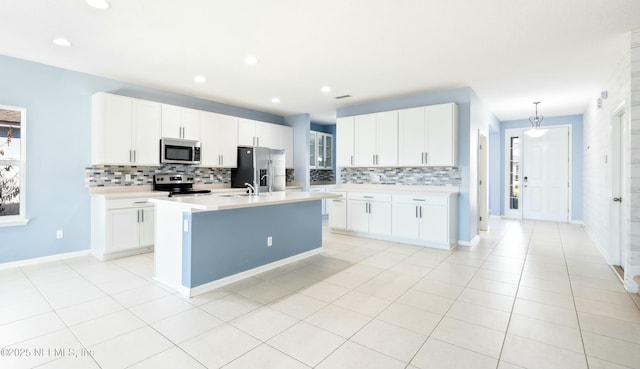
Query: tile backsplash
[(115, 175), (322, 175), (433, 176)]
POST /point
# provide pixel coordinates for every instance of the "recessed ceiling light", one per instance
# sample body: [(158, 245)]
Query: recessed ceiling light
[(98, 4), (325, 89), (251, 60), (199, 79), (61, 41), (275, 100)]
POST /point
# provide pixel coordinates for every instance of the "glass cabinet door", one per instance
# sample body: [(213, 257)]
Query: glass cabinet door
[(312, 150), (328, 151), (321, 156)]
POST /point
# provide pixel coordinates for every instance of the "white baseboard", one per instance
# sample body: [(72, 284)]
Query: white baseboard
[(474, 241), (629, 283), (242, 275), (578, 222), (44, 259)]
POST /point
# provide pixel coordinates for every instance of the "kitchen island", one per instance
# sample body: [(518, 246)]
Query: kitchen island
[(204, 242)]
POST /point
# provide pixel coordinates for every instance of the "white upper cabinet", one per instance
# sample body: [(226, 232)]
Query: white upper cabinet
[(254, 133), (178, 122), (218, 135), (282, 138), (428, 136), (124, 130), (274, 136), (376, 139), (345, 134)]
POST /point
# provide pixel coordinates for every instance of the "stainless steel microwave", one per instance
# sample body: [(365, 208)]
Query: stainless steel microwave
[(179, 151)]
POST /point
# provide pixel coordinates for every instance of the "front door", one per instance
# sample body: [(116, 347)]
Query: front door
[(545, 175)]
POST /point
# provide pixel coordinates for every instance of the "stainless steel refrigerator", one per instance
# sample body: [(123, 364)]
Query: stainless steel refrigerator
[(262, 166)]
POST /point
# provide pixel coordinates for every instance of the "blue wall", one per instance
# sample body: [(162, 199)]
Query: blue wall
[(575, 121), (58, 105)]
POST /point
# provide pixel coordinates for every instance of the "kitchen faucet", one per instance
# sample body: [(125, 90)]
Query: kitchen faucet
[(253, 188), (269, 182)]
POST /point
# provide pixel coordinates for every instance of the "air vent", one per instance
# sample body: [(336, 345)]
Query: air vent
[(342, 97)]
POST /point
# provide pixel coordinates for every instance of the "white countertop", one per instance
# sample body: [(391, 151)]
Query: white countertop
[(215, 202), (444, 190)]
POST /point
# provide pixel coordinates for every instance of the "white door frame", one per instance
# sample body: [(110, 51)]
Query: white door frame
[(520, 132), (483, 182), (618, 222)]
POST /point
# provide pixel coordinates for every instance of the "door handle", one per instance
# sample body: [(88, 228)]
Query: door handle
[(617, 199)]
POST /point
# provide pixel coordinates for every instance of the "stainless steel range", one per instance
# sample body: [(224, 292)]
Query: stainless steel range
[(176, 184)]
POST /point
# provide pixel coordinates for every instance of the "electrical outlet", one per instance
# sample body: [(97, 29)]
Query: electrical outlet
[(59, 234), (211, 177), (269, 241), (127, 177)]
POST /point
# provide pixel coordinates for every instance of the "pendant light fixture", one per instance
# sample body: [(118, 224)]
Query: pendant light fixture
[(535, 120)]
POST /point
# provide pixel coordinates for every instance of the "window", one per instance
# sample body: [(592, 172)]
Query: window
[(514, 173), (12, 166)]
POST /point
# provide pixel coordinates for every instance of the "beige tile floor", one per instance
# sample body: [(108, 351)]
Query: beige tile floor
[(530, 295)]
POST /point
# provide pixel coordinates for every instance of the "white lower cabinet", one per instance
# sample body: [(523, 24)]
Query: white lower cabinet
[(337, 209), (427, 220), (417, 219), (121, 227), (369, 213)]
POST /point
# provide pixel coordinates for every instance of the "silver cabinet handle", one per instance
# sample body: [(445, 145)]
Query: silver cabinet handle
[(134, 156), (422, 160), (142, 215), (351, 159), (418, 200), (426, 158), (368, 197), (140, 202), (138, 214), (420, 211)]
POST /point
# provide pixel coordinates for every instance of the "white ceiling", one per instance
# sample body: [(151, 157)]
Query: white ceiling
[(511, 52)]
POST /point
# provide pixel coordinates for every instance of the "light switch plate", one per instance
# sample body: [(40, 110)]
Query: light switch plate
[(185, 225)]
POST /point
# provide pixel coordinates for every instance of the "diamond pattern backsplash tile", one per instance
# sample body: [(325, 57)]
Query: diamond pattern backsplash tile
[(439, 176)]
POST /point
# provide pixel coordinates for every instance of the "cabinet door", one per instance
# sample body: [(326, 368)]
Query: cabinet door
[(288, 147), (171, 121), (365, 139), (337, 209), (146, 132), (387, 139), (266, 135), (313, 150), (434, 224), (246, 132), (328, 152), (189, 119), (412, 135), (406, 221), (441, 148), (380, 218), (147, 226), (218, 136), (358, 219), (344, 141), (123, 229), (117, 122)]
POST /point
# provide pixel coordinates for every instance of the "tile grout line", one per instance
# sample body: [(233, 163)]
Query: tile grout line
[(573, 298), (515, 298)]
